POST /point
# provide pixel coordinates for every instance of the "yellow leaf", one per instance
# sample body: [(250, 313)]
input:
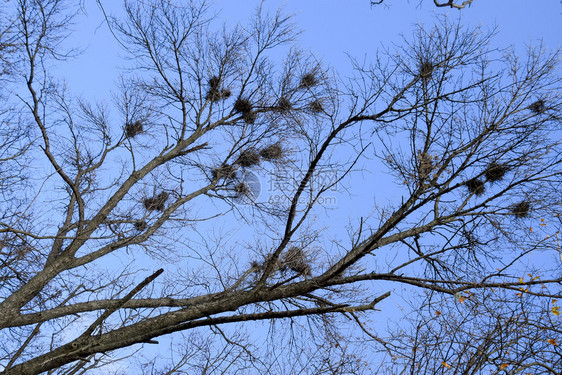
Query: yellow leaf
[(554, 301), (445, 364), (519, 294), (521, 280), (536, 278), (437, 312), (503, 365), (556, 310), (461, 299), (531, 229), (552, 341)]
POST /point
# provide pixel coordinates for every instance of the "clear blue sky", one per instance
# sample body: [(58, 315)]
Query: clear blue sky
[(331, 28)]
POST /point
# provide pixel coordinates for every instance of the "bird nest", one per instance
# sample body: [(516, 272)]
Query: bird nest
[(315, 106), (225, 93), (426, 69), (243, 106), (495, 172), (308, 80), (425, 165), (141, 225), (133, 128), (272, 152), (295, 260), (248, 158), (249, 117), (284, 104), (538, 106), (521, 209), (215, 93), (475, 186), (157, 203), (224, 171), (241, 189)]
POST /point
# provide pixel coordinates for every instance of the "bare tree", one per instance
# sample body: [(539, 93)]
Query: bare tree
[(496, 332), (123, 231)]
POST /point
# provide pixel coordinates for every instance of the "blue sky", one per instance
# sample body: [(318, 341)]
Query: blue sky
[(331, 28)]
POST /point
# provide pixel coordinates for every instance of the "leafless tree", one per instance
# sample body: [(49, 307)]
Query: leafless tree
[(494, 333), (123, 230)]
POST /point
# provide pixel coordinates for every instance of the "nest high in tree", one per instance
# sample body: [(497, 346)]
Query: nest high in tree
[(308, 80), (215, 92), (475, 186), (521, 209), (426, 69), (226, 171), (284, 104), (272, 152), (495, 172), (538, 106), (140, 225), (248, 158), (133, 128), (315, 106), (295, 260), (156, 203), (241, 189), (244, 107)]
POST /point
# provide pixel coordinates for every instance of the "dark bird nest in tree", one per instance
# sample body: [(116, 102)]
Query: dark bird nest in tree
[(225, 93), (475, 186), (426, 69), (308, 80), (215, 93), (248, 158), (214, 82), (538, 106), (495, 172), (272, 152), (249, 117), (140, 225), (133, 128), (316, 106), (284, 104), (156, 203), (295, 260), (241, 189), (521, 209), (256, 266), (224, 171), (426, 165), (243, 106)]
